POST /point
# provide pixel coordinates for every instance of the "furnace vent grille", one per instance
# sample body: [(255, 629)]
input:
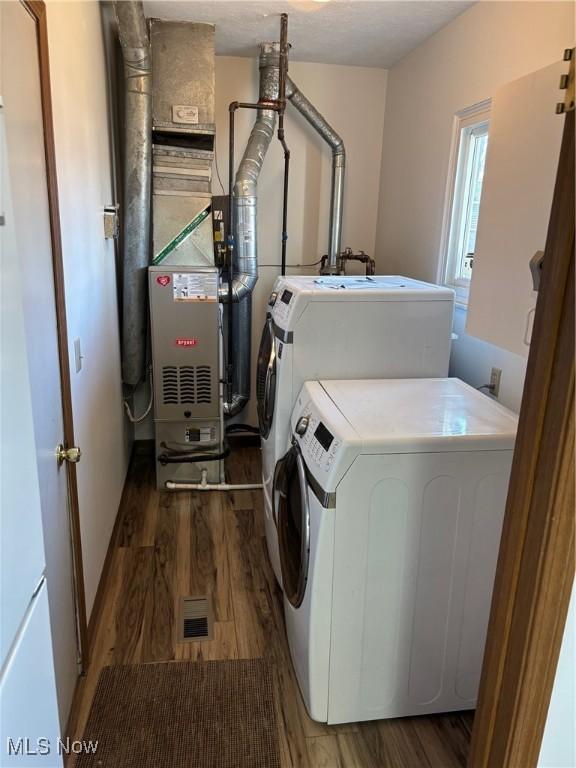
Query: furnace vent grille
[(186, 385), (195, 619)]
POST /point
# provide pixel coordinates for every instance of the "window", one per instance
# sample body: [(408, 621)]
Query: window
[(463, 195)]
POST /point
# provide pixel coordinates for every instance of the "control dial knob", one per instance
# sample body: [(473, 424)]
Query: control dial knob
[(302, 425)]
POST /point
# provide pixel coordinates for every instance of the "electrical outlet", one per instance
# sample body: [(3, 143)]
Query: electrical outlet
[(495, 376)]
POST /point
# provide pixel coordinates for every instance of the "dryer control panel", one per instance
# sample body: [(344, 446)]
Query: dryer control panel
[(281, 301), (319, 443), (327, 441)]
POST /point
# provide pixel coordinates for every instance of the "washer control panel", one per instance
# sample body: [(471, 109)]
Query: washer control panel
[(283, 303), (328, 442), (319, 445)]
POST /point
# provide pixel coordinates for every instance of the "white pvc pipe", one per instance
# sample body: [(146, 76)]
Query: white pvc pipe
[(204, 485), (212, 487)]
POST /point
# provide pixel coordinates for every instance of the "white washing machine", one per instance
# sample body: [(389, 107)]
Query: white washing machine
[(338, 328), (390, 502)]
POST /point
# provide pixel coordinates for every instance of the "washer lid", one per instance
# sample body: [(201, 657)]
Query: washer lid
[(422, 415)]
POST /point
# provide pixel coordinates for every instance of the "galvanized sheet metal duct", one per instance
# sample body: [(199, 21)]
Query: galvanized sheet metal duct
[(135, 44), (138, 148), (245, 211), (245, 228), (246, 181), (183, 85), (319, 123), (184, 77)]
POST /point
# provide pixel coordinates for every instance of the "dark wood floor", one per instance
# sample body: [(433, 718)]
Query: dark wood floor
[(170, 545)]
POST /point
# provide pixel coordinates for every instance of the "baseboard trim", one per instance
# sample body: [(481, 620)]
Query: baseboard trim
[(97, 607)]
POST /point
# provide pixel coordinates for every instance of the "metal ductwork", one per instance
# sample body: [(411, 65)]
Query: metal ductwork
[(193, 161), (246, 181), (245, 212), (183, 129), (245, 228), (319, 123), (135, 44)]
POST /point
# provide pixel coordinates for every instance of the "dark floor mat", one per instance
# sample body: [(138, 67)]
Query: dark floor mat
[(214, 714)]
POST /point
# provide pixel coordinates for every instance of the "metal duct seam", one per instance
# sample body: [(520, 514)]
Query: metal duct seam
[(333, 139), (134, 40)]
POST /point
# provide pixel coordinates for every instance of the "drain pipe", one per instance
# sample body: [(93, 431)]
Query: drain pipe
[(204, 485), (135, 43), (245, 231), (319, 123)]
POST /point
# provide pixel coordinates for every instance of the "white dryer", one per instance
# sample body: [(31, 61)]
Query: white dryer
[(338, 328), (390, 502)]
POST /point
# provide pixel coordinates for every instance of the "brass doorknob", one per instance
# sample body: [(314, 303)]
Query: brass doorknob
[(72, 455)]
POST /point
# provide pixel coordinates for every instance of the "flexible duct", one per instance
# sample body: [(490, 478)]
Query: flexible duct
[(135, 44), (319, 123)]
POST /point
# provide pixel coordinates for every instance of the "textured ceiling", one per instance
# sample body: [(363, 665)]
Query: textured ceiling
[(375, 33)]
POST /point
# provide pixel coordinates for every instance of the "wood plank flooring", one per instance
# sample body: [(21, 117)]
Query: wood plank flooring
[(170, 545)]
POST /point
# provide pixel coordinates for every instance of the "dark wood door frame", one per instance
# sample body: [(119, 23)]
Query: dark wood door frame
[(37, 10), (535, 570)]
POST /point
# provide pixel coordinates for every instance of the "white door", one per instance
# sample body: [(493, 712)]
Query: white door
[(29, 729), (28, 185), (519, 178)]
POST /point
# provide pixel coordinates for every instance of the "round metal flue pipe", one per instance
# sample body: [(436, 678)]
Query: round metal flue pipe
[(135, 43), (245, 202), (334, 140)]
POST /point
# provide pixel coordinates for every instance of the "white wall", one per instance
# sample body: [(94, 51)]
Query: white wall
[(352, 100), (79, 99), (472, 359), (558, 749), (462, 64)]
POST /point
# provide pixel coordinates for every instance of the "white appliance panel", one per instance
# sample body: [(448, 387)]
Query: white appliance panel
[(414, 560), (414, 545), (438, 523), (308, 627), (489, 502), (294, 293), (383, 339), (412, 415), (395, 328)]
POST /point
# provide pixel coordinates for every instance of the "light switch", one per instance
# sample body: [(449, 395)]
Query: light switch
[(78, 356)]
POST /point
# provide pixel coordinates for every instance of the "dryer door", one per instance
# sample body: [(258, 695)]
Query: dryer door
[(292, 512), (266, 378)]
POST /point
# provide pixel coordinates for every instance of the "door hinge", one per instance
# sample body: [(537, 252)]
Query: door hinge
[(567, 84)]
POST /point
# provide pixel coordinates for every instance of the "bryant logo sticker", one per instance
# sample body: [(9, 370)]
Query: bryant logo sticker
[(186, 342), (163, 280)]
